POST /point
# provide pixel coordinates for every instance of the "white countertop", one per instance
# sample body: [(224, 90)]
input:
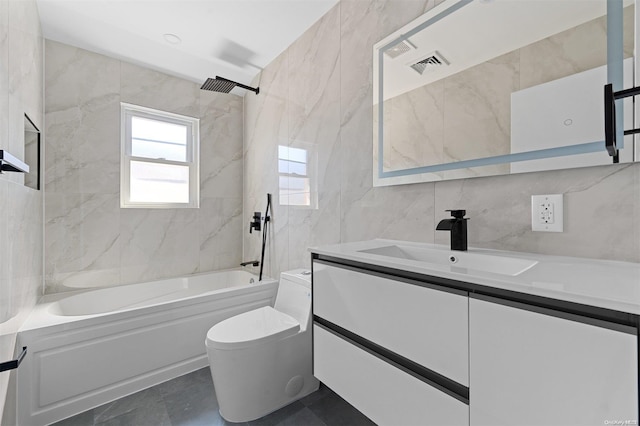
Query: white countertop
[(602, 283)]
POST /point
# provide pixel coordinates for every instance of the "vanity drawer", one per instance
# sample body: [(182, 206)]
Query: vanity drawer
[(382, 392), (425, 325)]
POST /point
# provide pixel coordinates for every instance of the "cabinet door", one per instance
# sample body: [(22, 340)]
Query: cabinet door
[(425, 325), (531, 368), (384, 393)]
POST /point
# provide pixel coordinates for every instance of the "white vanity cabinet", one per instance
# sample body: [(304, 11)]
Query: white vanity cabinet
[(397, 350), (418, 349), (542, 367)]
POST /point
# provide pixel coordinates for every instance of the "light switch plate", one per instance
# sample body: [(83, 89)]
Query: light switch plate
[(547, 213)]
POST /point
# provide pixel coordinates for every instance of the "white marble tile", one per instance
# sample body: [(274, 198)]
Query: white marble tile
[(266, 127), (153, 89), (4, 75), (220, 228), (220, 145), (158, 243), (92, 241), (23, 14), (314, 97), (600, 205), (313, 227), (498, 206), (362, 24), (26, 222), (265, 115), (83, 148), (77, 78), (82, 132), (82, 234), (21, 75), (402, 213)]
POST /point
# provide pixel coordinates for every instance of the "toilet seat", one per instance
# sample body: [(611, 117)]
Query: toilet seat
[(252, 328)]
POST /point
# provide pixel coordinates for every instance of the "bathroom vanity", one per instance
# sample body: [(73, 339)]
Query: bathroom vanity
[(414, 333)]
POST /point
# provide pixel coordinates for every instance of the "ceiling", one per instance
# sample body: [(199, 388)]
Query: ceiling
[(234, 39)]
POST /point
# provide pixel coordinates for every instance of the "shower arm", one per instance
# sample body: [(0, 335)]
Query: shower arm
[(253, 89)]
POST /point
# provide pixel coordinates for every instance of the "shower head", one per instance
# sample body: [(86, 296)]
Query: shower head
[(223, 85)]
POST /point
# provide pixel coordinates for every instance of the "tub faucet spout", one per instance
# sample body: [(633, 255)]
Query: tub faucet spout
[(251, 262), (458, 228)]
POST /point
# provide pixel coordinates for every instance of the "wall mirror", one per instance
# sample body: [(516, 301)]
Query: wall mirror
[(490, 87), (32, 153)]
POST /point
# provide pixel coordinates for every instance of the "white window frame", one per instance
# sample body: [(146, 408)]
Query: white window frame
[(127, 111), (311, 174)]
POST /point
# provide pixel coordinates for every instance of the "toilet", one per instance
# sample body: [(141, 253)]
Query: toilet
[(261, 360)]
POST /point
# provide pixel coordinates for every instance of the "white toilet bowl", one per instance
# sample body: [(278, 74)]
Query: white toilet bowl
[(261, 360)]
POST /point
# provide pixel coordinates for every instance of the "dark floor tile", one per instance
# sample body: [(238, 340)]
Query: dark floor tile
[(278, 415), (304, 417), (219, 421), (147, 415), (194, 405), (147, 397), (198, 377), (314, 396), (335, 411), (82, 419)]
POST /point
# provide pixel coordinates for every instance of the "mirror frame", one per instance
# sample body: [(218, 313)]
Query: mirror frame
[(615, 56)]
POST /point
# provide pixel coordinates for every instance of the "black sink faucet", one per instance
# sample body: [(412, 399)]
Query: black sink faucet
[(458, 228)]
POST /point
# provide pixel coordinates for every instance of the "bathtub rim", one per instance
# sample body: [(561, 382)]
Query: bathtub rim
[(41, 318)]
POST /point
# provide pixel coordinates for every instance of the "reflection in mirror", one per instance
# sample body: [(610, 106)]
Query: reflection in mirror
[(32, 153), (478, 88)]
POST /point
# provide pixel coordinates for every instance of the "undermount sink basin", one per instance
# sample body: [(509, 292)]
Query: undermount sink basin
[(494, 264)]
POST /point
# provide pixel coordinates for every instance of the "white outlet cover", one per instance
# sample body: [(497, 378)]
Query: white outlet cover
[(547, 213)]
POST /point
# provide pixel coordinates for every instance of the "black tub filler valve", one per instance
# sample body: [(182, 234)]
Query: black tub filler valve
[(256, 222)]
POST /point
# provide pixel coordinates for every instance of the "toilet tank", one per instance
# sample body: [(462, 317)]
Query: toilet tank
[(294, 295)]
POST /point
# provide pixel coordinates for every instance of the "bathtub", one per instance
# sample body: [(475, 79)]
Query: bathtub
[(91, 347)]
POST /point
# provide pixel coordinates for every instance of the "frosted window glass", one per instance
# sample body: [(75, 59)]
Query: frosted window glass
[(159, 183)]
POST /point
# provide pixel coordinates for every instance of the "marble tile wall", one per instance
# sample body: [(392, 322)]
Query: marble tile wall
[(21, 212), (89, 240), (320, 91)]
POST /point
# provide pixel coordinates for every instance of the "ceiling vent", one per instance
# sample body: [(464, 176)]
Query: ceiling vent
[(432, 61), (403, 47)]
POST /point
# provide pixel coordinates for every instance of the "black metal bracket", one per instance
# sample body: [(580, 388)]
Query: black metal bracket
[(14, 363), (610, 98), (9, 163)]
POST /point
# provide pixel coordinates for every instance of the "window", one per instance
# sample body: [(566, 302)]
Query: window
[(159, 159), (295, 173)]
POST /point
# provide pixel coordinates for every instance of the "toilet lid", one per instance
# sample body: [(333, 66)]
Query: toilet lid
[(251, 328)]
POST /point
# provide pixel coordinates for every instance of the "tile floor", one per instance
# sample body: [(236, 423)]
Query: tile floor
[(190, 400)]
